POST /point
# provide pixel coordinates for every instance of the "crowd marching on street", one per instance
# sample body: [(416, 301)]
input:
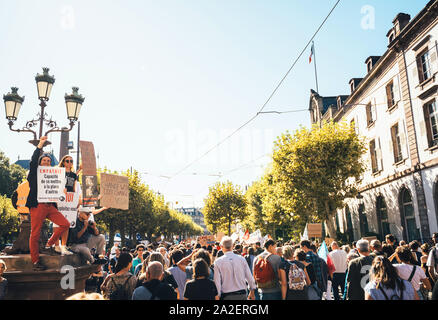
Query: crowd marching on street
[(230, 270)]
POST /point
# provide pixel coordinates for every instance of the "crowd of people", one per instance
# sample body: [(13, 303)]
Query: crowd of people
[(277, 271)]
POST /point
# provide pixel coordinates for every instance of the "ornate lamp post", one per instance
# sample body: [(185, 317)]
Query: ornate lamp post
[(13, 102)]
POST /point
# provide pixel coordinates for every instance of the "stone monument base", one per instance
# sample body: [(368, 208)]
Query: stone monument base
[(26, 284)]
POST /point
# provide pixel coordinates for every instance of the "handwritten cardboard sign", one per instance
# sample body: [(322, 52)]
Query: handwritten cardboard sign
[(88, 158), (90, 192), (314, 230), (51, 184), (114, 190)]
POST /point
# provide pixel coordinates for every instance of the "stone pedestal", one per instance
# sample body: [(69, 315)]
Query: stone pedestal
[(25, 284)]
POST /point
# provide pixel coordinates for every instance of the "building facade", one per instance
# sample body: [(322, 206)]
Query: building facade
[(196, 215), (394, 107)]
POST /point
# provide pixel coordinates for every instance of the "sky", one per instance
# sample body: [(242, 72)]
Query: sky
[(165, 81)]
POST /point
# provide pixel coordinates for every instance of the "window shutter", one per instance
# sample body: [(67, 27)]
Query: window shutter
[(433, 62), (420, 69), (374, 109), (396, 90), (394, 143), (427, 121), (403, 140), (379, 155), (369, 116)]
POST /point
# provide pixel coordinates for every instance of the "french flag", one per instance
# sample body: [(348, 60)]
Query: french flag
[(312, 52), (323, 253)]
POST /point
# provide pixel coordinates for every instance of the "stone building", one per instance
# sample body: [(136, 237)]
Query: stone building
[(394, 106)]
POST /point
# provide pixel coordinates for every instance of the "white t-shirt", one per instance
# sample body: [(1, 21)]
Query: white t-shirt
[(339, 259), (431, 260), (405, 270)]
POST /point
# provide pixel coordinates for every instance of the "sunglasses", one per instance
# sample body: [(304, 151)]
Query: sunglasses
[(68, 161)]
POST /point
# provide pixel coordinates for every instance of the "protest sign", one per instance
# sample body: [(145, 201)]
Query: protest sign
[(114, 190), (206, 240), (314, 230), (51, 184), (219, 236), (90, 193), (88, 158), (69, 207)]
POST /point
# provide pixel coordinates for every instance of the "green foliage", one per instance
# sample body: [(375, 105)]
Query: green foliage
[(11, 175), (316, 170), (9, 220), (148, 214), (225, 205)]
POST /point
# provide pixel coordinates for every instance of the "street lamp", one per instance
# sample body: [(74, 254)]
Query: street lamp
[(13, 102), (44, 81)]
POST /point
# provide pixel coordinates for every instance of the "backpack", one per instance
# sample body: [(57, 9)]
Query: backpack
[(394, 296), (263, 273), (120, 293), (297, 278)]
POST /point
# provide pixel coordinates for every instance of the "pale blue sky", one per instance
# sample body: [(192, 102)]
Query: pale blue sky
[(164, 81)]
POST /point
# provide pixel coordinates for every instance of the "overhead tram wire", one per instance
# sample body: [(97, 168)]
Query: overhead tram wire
[(267, 101)]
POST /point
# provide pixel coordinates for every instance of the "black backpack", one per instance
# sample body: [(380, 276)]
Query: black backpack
[(401, 286), (120, 293)]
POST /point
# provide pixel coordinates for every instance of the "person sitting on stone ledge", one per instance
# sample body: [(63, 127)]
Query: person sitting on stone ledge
[(3, 281), (85, 236)]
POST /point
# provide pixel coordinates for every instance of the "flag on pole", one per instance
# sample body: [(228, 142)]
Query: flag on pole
[(312, 51), (246, 235)]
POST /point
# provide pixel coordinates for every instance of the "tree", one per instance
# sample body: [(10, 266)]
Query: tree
[(10, 221), (224, 205), (315, 170), (11, 175)]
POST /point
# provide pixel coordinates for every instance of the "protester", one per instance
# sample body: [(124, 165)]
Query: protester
[(376, 248), (265, 270), (3, 281), (385, 284), (163, 252), (409, 271), (121, 284), (40, 211), (339, 259), (113, 250), (357, 270), (293, 276), (258, 248), (154, 288), (346, 248), (140, 267), (167, 278), (432, 264), (179, 275), (113, 261), (250, 257), (390, 240), (315, 260), (198, 254), (201, 287), (139, 249), (231, 274), (415, 248), (71, 179), (85, 236)]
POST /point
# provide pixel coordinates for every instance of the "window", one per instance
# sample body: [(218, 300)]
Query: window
[(396, 144), (390, 94), (363, 222), (431, 119), (373, 153), (352, 86), (370, 115), (369, 66), (423, 65), (382, 217), (410, 230)]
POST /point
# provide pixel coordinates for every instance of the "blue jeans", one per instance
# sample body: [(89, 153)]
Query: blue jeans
[(270, 295)]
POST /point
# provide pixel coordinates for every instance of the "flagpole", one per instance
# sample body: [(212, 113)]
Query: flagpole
[(314, 61)]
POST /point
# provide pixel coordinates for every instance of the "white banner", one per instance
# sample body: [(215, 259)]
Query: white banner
[(69, 206), (51, 184)]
